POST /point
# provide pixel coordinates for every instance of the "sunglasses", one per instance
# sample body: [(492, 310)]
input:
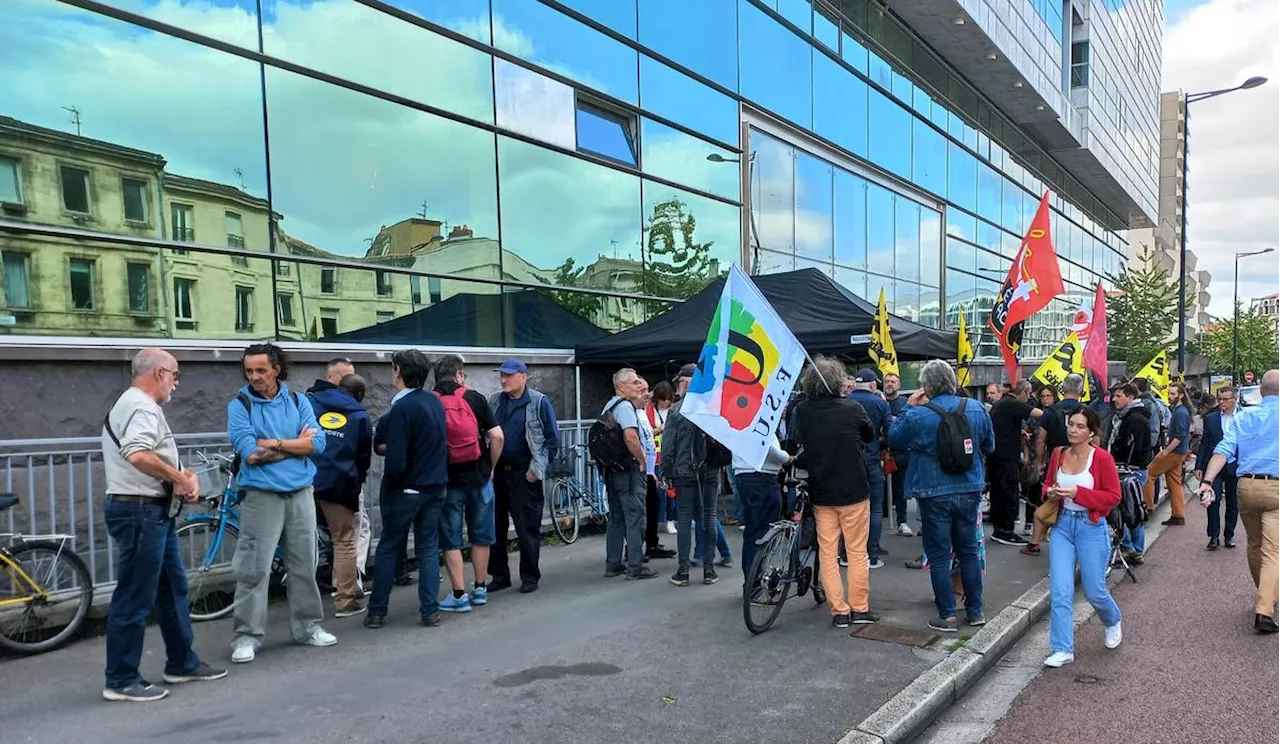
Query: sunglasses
[(173, 372)]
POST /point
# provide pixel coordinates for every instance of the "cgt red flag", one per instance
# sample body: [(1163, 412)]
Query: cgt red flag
[(1095, 348), (1034, 279)]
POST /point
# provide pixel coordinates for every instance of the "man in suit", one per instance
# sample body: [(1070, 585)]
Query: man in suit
[(1216, 422)]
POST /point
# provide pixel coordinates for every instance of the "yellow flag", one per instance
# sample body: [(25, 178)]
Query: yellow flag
[(964, 355), (882, 352), (1157, 374), (1067, 359)]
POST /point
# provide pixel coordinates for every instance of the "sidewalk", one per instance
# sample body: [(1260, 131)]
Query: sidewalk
[(1190, 668)]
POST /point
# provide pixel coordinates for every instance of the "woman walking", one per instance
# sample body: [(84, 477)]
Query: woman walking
[(1084, 479)]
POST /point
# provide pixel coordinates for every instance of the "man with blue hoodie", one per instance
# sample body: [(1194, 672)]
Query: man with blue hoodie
[(273, 429), (341, 470)]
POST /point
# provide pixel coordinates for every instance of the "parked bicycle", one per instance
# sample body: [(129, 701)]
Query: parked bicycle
[(570, 497), (785, 557), (45, 590), (207, 542)]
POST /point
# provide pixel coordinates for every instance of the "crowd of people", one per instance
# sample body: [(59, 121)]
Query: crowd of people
[(460, 467)]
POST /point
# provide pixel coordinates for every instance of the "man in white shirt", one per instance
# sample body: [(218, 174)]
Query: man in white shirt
[(761, 498), (626, 483)]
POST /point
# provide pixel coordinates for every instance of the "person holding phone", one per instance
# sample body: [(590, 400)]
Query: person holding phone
[(1084, 479)]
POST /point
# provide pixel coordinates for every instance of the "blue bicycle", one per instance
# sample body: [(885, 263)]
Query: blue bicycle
[(570, 496), (208, 542)]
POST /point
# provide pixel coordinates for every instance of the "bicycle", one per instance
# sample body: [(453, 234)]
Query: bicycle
[(207, 543), (569, 495), (779, 563), (45, 590)]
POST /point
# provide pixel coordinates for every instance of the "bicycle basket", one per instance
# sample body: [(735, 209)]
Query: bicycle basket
[(213, 481), (562, 466)]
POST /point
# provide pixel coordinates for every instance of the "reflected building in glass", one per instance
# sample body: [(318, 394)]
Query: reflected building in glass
[(309, 170)]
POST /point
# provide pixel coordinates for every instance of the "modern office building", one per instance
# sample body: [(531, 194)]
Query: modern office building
[(291, 169)]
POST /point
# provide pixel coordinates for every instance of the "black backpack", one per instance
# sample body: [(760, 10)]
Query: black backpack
[(955, 439), (1132, 507), (605, 442)]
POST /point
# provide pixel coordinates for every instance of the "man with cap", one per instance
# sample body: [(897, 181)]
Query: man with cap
[(864, 392), (531, 437)]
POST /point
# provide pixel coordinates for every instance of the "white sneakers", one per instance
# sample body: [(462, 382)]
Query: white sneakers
[(904, 529), (671, 528), (1112, 636), (319, 637), (1059, 659), (243, 650)]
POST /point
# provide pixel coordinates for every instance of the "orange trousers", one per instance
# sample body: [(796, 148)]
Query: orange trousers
[(1170, 466), (853, 522)]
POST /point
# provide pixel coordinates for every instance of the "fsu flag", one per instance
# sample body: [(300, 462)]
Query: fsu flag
[(1033, 280)]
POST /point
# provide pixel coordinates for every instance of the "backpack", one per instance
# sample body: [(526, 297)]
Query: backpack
[(955, 439), (605, 443), (461, 429), (1132, 508)]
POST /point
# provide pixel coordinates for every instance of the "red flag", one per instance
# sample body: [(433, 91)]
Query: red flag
[(1033, 280), (1095, 348)]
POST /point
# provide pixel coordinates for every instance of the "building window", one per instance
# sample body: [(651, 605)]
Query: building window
[(17, 280), (244, 308), (82, 283), (328, 281), (183, 225), (433, 288), (384, 284), (184, 303), (75, 189), (606, 133), (10, 180), (135, 199), (235, 237), (139, 288), (384, 315), (282, 268), (1080, 64), (285, 304), (415, 290), (328, 322)]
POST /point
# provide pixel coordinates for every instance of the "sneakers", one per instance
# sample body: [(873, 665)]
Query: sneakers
[(319, 637), (1213, 544), (904, 530), (644, 573), (1059, 659), (202, 673), (680, 578), (1228, 542), (372, 621), (1026, 528), (1175, 522), (1112, 636), (943, 625), (432, 620), (659, 552), (841, 620), (1264, 624), (864, 618), (710, 577), (875, 563), (456, 604), (612, 571), (726, 562), (1030, 549), (1008, 538), (141, 691), (977, 620), (529, 587), (355, 608), (243, 650), (671, 528), (843, 561), (916, 563), (479, 596)]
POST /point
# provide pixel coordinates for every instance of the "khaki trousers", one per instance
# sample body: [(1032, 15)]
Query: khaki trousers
[(1170, 466), (342, 526), (1260, 515)]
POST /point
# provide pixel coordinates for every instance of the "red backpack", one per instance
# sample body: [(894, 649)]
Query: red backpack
[(462, 431)]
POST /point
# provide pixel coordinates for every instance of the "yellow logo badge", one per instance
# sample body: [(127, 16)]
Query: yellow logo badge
[(333, 421)]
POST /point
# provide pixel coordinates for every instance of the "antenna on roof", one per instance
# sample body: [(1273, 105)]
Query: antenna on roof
[(75, 117)]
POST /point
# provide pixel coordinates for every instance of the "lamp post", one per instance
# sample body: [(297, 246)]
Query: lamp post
[(1189, 99), (754, 237), (1235, 314)]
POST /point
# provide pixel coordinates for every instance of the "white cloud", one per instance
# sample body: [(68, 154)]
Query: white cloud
[(1234, 189)]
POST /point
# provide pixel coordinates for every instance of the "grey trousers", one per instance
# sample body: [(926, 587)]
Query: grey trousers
[(626, 492), (266, 517)]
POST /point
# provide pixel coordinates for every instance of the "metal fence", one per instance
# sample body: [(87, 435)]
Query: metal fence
[(61, 485)]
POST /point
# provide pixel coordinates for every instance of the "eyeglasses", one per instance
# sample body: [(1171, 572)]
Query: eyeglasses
[(173, 372)]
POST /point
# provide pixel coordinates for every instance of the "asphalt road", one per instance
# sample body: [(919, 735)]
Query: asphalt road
[(585, 659)]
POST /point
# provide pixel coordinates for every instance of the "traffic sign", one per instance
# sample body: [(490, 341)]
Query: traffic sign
[(1248, 377)]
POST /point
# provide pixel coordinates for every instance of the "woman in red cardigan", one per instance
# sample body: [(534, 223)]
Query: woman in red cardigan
[(1084, 479)]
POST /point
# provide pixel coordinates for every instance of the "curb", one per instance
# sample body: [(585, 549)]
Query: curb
[(906, 715)]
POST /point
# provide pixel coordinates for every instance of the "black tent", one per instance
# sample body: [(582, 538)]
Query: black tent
[(821, 313), (526, 320)]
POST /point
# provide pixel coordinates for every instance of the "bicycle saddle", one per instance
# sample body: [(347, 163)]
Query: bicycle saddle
[(8, 500)]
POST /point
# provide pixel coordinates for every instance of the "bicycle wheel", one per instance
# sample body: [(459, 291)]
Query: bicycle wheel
[(768, 584), (43, 623), (563, 508), (211, 586)]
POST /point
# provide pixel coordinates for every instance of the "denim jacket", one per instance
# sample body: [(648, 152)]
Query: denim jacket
[(916, 431)]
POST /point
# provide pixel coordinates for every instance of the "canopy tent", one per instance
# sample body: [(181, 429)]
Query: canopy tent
[(526, 320), (822, 314)]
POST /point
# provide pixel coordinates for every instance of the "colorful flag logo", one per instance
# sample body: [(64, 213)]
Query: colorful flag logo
[(1034, 279), (1067, 359), (1157, 374)]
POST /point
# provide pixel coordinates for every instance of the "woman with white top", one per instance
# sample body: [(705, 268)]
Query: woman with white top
[(1084, 478)]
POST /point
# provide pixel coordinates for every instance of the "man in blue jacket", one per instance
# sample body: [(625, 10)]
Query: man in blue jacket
[(948, 502), (1225, 485), (414, 480), (273, 429), (341, 470), (864, 392)]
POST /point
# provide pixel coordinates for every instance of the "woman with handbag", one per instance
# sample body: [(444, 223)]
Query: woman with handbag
[(1082, 479)]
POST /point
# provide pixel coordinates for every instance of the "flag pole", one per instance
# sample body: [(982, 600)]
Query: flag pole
[(802, 347)]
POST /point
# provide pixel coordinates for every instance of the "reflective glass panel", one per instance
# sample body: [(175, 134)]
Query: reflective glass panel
[(604, 132), (680, 98), (798, 12), (852, 51), (232, 21), (961, 224), (930, 247), (1011, 208), (929, 158), (553, 40), (535, 105), (850, 219), (469, 17), (772, 262), (839, 105), (962, 177), (777, 71), (889, 139), (906, 300), (989, 193), (689, 240), (619, 15), (679, 157), (906, 242), (961, 255), (702, 36), (880, 227), (773, 192), (809, 263), (813, 207), (825, 30), (855, 281), (990, 237)]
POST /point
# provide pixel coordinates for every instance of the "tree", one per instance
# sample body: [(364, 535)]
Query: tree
[(1258, 348), (1143, 311), (568, 274), (676, 265)]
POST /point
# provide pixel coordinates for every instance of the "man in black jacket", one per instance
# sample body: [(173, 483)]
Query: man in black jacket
[(1215, 424), (1007, 418), (1130, 444)]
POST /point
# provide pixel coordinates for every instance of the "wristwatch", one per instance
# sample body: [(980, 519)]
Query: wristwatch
[(279, 445)]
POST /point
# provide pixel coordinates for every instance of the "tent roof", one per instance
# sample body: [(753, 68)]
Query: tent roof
[(531, 321), (821, 313)]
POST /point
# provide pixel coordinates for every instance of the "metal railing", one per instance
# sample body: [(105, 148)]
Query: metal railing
[(61, 485)]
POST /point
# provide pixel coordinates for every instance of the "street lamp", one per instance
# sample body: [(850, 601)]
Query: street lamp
[(1235, 312), (1189, 99), (716, 157)]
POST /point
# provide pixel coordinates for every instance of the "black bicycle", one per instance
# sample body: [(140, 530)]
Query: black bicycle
[(784, 558)]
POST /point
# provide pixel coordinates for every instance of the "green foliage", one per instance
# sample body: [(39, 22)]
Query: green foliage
[(1143, 312), (1258, 348)]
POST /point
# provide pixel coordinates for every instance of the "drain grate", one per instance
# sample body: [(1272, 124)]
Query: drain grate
[(891, 634)]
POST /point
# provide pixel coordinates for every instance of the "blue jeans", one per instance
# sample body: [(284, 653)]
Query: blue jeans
[(722, 542), (947, 523), (696, 500), (1226, 488), (739, 508), (474, 506), (150, 575), (402, 511), (875, 479), (762, 499), (898, 482), (1135, 540), (1077, 540)]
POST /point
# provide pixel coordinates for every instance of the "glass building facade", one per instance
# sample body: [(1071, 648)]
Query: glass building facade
[(302, 169)]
